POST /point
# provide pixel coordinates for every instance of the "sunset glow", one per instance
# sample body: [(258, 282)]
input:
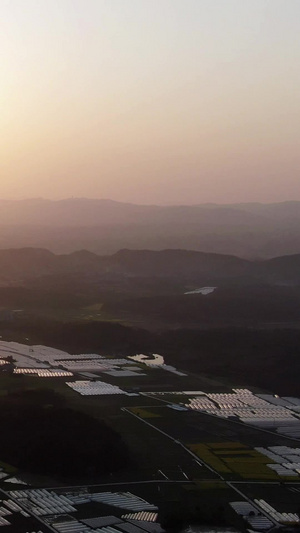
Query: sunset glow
[(150, 101)]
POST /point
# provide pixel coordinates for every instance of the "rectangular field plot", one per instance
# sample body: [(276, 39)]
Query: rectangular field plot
[(235, 460)]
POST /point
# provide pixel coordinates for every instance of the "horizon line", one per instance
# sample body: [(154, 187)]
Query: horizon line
[(197, 204)]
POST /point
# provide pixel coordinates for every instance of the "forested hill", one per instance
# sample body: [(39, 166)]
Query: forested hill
[(17, 266)]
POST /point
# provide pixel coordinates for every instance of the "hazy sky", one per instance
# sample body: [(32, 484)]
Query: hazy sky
[(150, 101)]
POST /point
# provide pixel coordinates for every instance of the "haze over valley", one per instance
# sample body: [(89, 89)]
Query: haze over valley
[(250, 231)]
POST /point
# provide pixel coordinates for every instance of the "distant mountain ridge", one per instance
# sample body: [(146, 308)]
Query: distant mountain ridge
[(249, 230), (17, 266)]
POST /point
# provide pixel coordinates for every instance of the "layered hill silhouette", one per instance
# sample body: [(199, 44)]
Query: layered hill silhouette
[(18, 266), (135, 301), (249, 230)]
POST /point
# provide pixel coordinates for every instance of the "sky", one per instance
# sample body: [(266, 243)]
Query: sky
[(150, 101)]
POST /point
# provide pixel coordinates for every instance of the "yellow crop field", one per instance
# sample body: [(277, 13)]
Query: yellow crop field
[(143, 413), (247, 460), (235, 458), (232, 452), (226, 445), (203, 452)]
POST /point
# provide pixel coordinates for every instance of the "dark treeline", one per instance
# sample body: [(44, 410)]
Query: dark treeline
[(238, 306), (150, 304), (267, 358)]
